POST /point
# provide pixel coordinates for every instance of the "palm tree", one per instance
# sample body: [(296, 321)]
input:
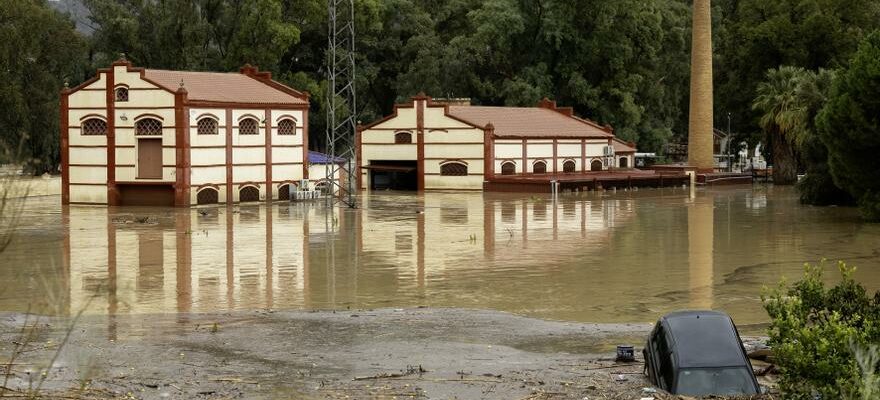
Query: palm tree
[(784, 99)]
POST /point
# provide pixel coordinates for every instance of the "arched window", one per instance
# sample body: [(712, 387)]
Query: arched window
[(453, 169), (94, 127), (284, 192), (207, 196), (540, 167), (121, 94), (402, 138), (248, 194), (508, 168), (624, 162), (568, 166), (208, 126), (248, 126), (596, 165), (287, 126), (148, 126)]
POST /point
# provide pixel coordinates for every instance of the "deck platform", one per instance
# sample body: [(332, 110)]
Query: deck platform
[(724, 178), (714, 178), (584, 181)]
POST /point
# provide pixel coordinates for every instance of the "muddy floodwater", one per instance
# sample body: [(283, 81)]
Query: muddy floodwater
[(591, 257)]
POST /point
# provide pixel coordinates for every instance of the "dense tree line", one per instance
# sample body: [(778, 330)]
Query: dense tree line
[(622, 62), (39, 50)]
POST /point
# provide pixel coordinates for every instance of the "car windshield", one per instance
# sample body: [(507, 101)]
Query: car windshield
[(717, 381)]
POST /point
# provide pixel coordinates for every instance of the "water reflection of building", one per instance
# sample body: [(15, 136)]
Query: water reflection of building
[(494, 251), (701, 262), (623, 257), (188, 260), (156, 260)]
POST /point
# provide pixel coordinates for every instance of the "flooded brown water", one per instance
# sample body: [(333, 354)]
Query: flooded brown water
[(611, 257)]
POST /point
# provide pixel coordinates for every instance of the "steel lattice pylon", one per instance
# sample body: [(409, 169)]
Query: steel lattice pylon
[(341, 100)]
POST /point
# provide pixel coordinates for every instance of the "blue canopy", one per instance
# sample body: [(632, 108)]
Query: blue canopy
[(321, 158)]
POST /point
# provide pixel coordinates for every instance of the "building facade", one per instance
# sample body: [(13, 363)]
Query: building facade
[(427, 145), (135, 136)]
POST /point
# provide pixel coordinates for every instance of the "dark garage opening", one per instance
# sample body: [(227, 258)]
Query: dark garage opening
[(393, 175), (146, 195)]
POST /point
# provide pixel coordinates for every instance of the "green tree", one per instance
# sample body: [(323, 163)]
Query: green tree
[(817, 187), (216, 35), (623, 63), (850, 128), (784, 118), (754, 36), (790, 99), (39, 51)]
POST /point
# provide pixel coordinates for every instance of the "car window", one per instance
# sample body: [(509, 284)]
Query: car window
[(715, 381), (665, 361)]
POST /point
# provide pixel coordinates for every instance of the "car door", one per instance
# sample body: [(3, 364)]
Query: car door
[(654, 355), (665, 369)]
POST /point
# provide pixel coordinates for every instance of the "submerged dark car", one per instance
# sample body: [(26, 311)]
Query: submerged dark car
[(698, 353)]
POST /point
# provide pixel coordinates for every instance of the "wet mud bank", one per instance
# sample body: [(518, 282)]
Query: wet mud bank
[(389, 353)]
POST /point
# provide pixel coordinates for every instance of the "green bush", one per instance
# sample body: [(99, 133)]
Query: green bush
[(817, 332)]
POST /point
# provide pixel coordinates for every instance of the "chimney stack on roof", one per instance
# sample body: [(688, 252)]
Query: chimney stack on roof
[(551, 105)]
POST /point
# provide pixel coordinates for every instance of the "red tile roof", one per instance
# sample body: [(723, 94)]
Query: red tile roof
[(225, 87), (529, 122), (622, 147)]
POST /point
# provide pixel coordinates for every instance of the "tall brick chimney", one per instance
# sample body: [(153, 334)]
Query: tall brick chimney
[(700, 146)]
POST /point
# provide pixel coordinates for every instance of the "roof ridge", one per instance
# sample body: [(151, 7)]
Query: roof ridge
[(280, 87), (591, 123), (192, 72), (485, 106)]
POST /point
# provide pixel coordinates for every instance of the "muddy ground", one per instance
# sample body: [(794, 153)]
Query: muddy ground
[(375, 354)]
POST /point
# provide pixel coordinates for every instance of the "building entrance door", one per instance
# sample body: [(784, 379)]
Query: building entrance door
[(149, 162)]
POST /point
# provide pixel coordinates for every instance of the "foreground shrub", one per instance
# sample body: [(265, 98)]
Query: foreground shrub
[(821, 338)]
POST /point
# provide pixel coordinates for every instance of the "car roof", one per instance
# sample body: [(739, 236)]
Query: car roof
[(704, 339)]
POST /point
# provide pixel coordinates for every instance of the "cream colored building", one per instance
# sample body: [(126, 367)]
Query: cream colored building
[(135, 136), (429, 145)]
